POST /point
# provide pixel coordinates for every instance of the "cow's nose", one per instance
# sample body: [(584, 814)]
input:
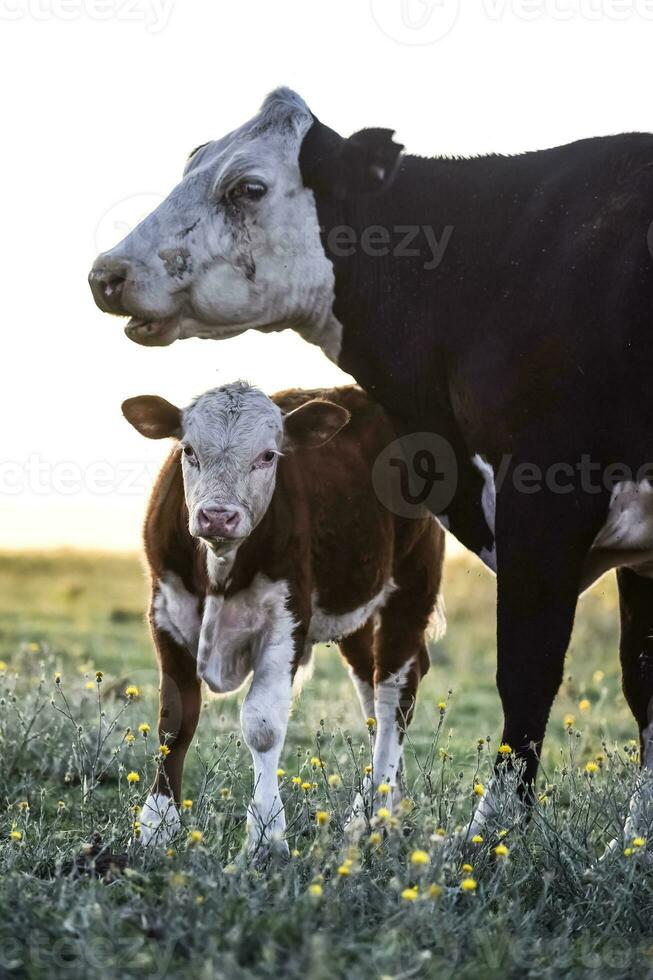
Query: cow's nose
[(107, 279), (217, 522)]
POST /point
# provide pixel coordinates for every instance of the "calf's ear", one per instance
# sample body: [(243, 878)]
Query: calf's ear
[(313, 424), (152, 416), (363, 164)]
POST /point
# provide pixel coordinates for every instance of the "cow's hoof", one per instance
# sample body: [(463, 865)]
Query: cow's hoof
[(159, 820)]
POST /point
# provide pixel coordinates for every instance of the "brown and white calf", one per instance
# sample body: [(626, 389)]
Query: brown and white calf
[(265, 535)]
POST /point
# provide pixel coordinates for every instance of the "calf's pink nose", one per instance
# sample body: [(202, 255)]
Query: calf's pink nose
[(217, 521)]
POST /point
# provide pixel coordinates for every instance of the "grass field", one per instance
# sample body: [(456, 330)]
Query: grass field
[(79, 897)]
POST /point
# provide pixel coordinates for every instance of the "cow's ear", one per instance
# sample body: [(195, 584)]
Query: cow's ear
[(153, 417), (313, 424), (363, 164)]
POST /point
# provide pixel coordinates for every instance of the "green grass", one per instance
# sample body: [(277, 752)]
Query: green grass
[(543, 910)]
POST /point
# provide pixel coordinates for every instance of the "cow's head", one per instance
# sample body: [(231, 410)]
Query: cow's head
[(236, 244), (231, 439)]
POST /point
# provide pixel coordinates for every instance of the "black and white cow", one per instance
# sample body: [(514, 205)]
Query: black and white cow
[(505, 304)]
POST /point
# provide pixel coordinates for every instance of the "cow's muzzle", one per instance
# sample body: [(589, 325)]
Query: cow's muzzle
[(107, 280)]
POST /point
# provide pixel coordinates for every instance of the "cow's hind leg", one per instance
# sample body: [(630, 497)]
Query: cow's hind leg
[(636, 652), (179, 710)]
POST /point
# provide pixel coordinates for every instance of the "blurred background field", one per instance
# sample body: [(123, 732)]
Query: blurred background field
[(89, 610)]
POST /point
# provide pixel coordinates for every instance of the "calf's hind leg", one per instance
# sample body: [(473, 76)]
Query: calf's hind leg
[(179, 710)]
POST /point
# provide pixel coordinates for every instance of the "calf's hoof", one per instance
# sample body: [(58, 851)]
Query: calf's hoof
[(159, 820)]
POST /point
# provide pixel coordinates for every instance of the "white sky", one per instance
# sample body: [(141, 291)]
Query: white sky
[(98, 116)]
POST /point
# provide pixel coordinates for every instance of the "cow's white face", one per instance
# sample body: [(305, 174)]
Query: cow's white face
[(235, 245), (231, 439)]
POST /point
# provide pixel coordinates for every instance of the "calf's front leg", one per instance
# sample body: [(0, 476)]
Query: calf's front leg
[(179, 710), (264, 721)]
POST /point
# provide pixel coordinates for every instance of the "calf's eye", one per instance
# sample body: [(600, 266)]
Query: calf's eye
[(189, 453), (266, 458)]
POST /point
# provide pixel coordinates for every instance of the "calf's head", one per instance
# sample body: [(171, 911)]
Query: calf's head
[(231, 439), (236, 244)]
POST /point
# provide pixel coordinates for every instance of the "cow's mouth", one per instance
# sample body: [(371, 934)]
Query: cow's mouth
[(153, 333)]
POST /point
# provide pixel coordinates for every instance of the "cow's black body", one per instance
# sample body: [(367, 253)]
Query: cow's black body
[(534, 338)]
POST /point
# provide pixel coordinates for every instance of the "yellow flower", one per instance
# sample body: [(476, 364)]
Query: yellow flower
[(16, 835), (383, 813), (334, 780), (502, 834), (297, 780), (133, 777), (419, 857), (136, 809), (225, 793), (132, 691), (187, 804), (442, 705), (501, 851), (164, 750), (505, 749), (178, 880), (479, 789), (23, 805), (468, 885), (295, 853), (33, 647), (383, 789), (441, 832), (569, 720), (591, 767), (371, 723), (467, 868), (307, 786), (144, 728), (322, 818), (317, 763), (628, 851), (61, 805), (584, 704), (315, 891), (98, 676), (367, 770), (375, 838), (639, 842), (409, 894), (90, 686), (137, 828), (129, 737), (406, 805), (598, 676), (281, 773), (434, 891), (171, 853), (195, 836), (343, 870), (3, 666), (477, 839)]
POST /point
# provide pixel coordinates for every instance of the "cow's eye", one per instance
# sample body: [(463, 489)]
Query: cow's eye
[(266, 458), (189, 453), (252, 190)]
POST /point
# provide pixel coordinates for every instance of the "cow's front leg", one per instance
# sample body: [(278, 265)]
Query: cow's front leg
[(542, 542), (264, 720), (179, 710)]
